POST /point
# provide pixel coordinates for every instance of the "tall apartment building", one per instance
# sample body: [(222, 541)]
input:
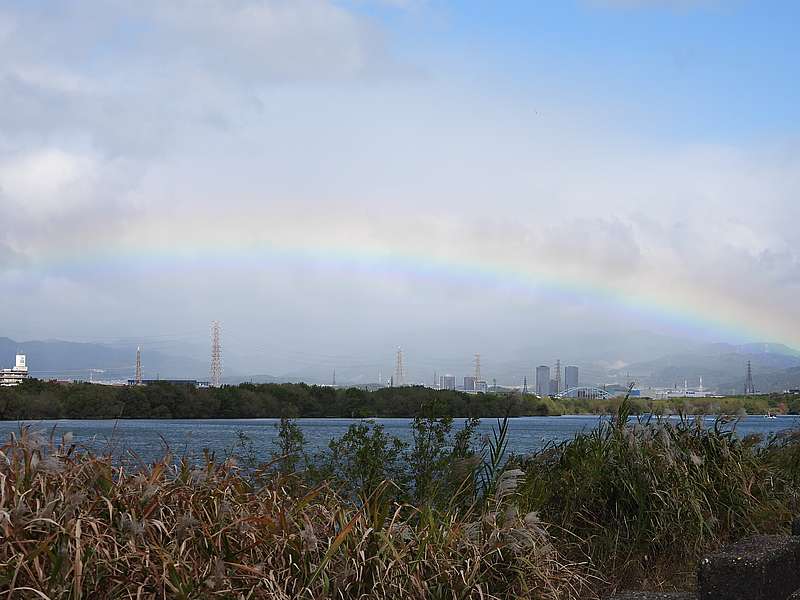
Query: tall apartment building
[(470, 383), (570, 377), (447, 382), (542, 380)]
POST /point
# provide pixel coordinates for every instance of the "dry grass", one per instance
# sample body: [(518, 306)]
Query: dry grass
[(77, 526)]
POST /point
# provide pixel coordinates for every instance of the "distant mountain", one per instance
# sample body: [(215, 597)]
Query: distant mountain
[(720, 365), (767, 348), (54, 359), (609, 350), (774, 381), (657, 361), (652, 360)]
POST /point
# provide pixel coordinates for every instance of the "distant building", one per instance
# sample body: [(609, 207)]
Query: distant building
[(570, 377), (447, 382), (685, 392), (553, 388), (481, 386), (470, 383), (190, 382), (542, 380), (16, 374)]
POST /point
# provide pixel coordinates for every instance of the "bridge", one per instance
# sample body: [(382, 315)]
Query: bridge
[(588, 392)]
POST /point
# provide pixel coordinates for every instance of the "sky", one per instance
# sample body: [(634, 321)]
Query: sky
[(334, 179)]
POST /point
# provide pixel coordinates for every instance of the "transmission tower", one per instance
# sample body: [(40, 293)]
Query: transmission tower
[(138, 365), (477, 369), (525, 385), (558, 376), (216, 356), (399, 378), (749, 388), (334, 378)]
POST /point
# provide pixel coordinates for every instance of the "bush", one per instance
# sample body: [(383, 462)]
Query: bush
[(644, 501)]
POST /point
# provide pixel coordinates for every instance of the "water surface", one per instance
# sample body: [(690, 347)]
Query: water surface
[(149, 438)]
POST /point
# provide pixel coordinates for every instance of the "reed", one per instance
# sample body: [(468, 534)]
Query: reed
[(77, 526), (636, 501), (645, 500)]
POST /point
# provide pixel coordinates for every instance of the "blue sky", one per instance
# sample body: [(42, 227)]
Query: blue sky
[(697, 70)]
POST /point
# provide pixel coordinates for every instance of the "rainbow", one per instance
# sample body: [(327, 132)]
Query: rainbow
[(236, 243)]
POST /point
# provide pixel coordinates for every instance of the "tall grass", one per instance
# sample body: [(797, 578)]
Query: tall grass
[(645, 500), (638, 502), (78, 526)]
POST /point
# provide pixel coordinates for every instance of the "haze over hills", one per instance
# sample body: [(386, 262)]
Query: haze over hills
[(55, 359), (721, 366), (663, 362), (771, 381)]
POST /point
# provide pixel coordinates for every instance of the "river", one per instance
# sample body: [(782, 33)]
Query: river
[(149, 438)]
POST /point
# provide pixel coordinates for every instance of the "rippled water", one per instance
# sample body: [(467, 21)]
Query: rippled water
[(149, 438)]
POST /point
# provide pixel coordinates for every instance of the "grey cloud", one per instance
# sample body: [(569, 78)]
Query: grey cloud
[(10, 258)]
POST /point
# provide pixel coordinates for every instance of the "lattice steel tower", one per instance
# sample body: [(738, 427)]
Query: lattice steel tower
[(749, 388), (477, 369), (558, 376), (216, 356), (138, 365), (399, 370)]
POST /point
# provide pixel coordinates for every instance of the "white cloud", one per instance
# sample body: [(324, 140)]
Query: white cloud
[(47, 180)]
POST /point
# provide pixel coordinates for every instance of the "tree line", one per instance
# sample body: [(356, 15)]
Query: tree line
[(36, 399)]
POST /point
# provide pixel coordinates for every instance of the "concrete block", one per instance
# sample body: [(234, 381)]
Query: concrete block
[(763, 567)]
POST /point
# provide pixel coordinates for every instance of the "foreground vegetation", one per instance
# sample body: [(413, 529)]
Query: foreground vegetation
[(448, 516), (646, 500), (42, 400), (76, 525)]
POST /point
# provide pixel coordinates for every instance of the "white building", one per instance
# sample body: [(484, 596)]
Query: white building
[(16, 374), (686, 392)]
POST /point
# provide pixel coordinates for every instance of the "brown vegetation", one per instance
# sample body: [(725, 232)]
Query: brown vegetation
[(75, 526)]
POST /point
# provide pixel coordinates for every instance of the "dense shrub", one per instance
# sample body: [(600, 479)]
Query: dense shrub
[(645, 500)]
